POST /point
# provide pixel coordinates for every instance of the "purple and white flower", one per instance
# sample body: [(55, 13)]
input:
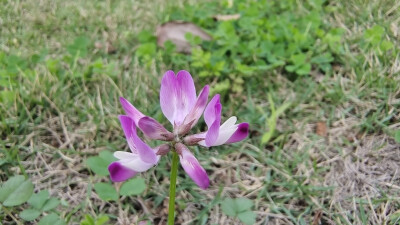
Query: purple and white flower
[(183, 109)]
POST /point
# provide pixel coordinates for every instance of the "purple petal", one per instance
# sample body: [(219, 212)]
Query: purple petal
[(130, 110), (168, 95), (198, 108), (135, 143), (177, 96), (119, 173), (213, 130), (240, 134), (186, 94), (154, 130), (192, 167), (209, 112)]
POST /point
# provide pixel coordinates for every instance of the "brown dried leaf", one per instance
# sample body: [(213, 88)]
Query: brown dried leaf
[(321, 129), (317, 217), (175, 31), (227, 17)]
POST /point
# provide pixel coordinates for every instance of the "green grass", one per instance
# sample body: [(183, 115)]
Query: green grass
[(59, 89)]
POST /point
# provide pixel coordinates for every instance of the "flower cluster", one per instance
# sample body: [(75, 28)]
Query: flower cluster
[(183, 109)]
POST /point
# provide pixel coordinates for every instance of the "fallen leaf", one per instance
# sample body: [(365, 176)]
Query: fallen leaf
[(227, 17), (175, 31), (322, 129)]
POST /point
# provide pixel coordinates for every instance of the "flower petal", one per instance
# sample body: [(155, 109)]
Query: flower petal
[(229, 122), (120, 173), (177, 96), (145, 153), (168, 95), (198, 108), (186, 95), (133, 161), (226, 130), (209, 112), (154, 130), (130, 110), (137, 164), (214, 130), (192, 167), (241, 133)]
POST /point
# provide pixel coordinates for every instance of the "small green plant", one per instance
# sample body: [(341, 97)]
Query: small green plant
[(16, 191), (40, 202), (273, 118), (98, 164), (269, 35), (100, 220), (239, 208), (375, 40), (79, 48), (107, 192), (51, 219), (397, 136)]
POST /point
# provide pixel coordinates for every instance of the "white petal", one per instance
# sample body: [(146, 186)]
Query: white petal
[(125, 155), (230, 122), (133, 161), (225, 134)]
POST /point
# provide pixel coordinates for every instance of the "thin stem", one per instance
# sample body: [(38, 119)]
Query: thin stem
[(172, 188), (11, 215)]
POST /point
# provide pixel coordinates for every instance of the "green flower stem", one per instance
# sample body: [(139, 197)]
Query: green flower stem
[(172, 188)]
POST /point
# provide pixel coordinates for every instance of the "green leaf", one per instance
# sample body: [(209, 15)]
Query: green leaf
[(374, 34), (290, 68), (134, 186), (9, 186), (304, 69), (241, 208), (229, 207), (386, 45), (243, 204), (99, 164), (323, 58), (395, 217), (147, 49), (298, 59), (88, 220), (397, 136), (51, 204), (247, 217), (16, 191), (29, 214), (51, 219), (106, 191), (102, 220), (79, 47), (7, 96), (146, 36), (38, 200), (271, 121)]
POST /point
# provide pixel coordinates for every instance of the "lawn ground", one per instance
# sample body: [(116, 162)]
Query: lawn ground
[(333, 158)]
